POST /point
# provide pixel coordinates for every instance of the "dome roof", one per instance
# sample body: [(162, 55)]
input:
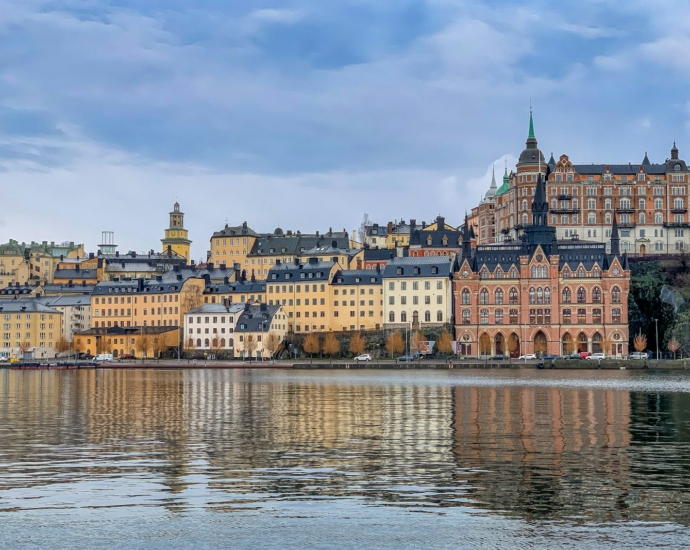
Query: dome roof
[(278, 232)]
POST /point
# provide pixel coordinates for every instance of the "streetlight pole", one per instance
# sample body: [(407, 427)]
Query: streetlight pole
[(656, 323)]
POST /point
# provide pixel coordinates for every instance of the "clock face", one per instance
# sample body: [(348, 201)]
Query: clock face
[(616, 271), (465, 273)]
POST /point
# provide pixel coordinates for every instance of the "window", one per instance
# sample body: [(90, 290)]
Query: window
[(513, 296), (465, 297), (658, 217), (484, 316), (532, 316), (566, 296), (616, 295), (547, 295), (465, 316), (591, 204), (582, 316), (513, 316), (403, 317), (566, 316), (484, 296), (596, 315), (616, 315), (498, 296), (391, 317), (596, 295), (581, 295), (498, 314), (532, 296)]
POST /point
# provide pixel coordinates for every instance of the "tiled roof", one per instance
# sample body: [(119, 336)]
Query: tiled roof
[(296, 272), (254, 316), (216, 308), (358, 277), (25, 306), (429, 266)]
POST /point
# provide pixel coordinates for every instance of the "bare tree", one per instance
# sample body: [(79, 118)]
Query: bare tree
[(311, 344), (62, 345), (143, 345), (78, 346), (673, 346), (24, 348), (106, 345), (640, 342), (331, 345), (363, 227), (249, 344), (272, 343), (159, 344), (357, 344), (192, 297), (395, 343)]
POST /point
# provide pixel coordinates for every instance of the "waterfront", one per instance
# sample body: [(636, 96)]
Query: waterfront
[(273, 458)]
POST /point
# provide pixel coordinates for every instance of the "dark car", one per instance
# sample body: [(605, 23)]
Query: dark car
[(573, 357), (405, 358), (497, 358), (551, 357)]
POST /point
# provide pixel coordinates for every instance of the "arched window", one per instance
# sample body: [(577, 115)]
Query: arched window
[(596, 295), (498, 296), (499, 273), (581, 273), (531, 295), (465, 297), (403, 317), (616, 295), (222, 342), (513, 295), (391, 317), (581, 295), (547, 295), (198, 342), (540, 296), (566, 296), (439, 316), (206, 343), (534, 272), (484, 296), (595, 272), (427, 316)]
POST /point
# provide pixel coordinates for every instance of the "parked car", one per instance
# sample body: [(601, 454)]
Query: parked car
[(3, 359), (638, 355), (528, 357), (126, 357), (585, 354), (405, 358), (363, 357), (573, 357), (104, 358), (597, 356), (551, 357), (497, 358)]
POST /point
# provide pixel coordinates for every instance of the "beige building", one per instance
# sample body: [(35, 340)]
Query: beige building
[(75, 310), (417, 292), (29, 329), (254, 327), (356, 299)]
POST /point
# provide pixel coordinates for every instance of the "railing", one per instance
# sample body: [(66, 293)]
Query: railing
[(627, 225), (518, 226), (679, 210), (565, 210), (565, 197), (625, 210), (676, 224)]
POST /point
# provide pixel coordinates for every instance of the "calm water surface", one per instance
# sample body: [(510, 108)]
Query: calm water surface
[(279, 459)]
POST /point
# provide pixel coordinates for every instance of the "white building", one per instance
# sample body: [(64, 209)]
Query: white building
[(417, 292), (211, 322), (76, 312)]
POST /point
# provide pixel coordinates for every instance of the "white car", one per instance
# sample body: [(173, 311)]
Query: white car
[(363, 357), (3, 359), (638, 355), (528, 357), (597, 356)]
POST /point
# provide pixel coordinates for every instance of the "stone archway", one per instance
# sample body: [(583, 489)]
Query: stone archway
[(597, 343), (540, 344), (582, 343), (499, 343), (485, 344), (514, 346), (114, 353), (643, 250), (567, 347)]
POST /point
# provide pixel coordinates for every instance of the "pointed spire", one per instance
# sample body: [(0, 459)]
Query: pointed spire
[(674, 150), (615, 238), (531, 124), (540, 208), (492, 189), (552, 161), (466, 240), (645, 161)]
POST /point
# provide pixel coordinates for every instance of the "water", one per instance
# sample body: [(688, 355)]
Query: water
[(280, 459)]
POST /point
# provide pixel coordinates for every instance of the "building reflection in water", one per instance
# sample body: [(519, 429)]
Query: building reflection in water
[(227, 440)]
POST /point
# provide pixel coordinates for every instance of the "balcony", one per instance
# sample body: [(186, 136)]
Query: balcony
[(565, 210), (565, 197), (678, 210), (627, 225), (518, 226), (676, 224), (625, 210), (505, 230)]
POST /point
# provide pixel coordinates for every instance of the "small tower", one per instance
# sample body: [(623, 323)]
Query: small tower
[(107, 246), (615, 238), (176, 237)]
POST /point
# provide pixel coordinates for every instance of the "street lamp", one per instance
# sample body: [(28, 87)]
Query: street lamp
[(656, 323)]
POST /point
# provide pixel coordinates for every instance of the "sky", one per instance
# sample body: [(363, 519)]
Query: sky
[(307, 114)]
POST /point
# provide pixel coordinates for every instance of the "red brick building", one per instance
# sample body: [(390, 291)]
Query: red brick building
[(540, 294)]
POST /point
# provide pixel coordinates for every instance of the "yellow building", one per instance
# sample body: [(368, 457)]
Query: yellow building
[(137, 341), (231, 245), (255, 325), (22, 262), (357, 300), (145, 302), (29, 329), (176, 236), (78, 270), (236, 292), (303, 291)]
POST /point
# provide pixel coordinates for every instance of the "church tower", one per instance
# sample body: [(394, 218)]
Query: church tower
[(176, 237)]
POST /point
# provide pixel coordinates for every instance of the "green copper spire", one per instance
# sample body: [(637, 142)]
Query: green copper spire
[(531, 126)]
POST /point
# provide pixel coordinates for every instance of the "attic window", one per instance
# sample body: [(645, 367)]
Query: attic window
[(274, 276), (357, 280), (434, 270), (399, 271), (302, 275), (417, 271), (373, 279)]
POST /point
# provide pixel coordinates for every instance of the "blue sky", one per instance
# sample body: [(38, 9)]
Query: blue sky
[(309, 113)]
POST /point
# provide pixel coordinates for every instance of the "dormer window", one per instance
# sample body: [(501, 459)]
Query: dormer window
[(417, 271), (434, 270), (445, 240), (399, 271)]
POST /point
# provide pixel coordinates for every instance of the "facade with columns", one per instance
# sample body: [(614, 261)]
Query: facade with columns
[(541, 294), (650, 201)]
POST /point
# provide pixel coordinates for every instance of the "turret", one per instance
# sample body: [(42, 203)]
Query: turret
[(615, 238)]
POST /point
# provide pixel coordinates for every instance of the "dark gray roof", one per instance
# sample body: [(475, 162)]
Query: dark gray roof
[(236, 231), (429, 266), (253, 317), (30, 305), (380, 254), (13, 290), (358, 277), (216, 274), (236, 288), (126, 330), (54, 288), (310, 271), (376, 230), (65, 301), (619, 169), (67, 274), (271, 245), (216, 308), (139, 286)]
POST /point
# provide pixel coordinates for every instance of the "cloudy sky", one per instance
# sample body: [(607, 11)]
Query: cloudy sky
[(309, 113)]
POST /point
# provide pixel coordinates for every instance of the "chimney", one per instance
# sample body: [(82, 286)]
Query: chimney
[(226, 280), (209, 265), (263, 307), (223, 267), (140, 284), (176, 267), (91, 256), (390, 227), (83, 283), (70, 283), (243, 278), (117, 253), (289, 232), (330, 231), (159, 277), (179, 276), (378, 268), (440, 223), (123, 265), (207, 278), (61, 257), (244, 225), (317, 233)]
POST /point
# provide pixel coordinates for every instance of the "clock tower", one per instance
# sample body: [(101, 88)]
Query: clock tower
[(176, 235)]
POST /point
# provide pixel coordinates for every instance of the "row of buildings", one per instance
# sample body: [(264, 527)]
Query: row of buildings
[(517, 277)]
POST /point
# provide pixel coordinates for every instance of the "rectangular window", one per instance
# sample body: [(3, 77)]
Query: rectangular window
[(582, 316), (465, 316), (566, 316)]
